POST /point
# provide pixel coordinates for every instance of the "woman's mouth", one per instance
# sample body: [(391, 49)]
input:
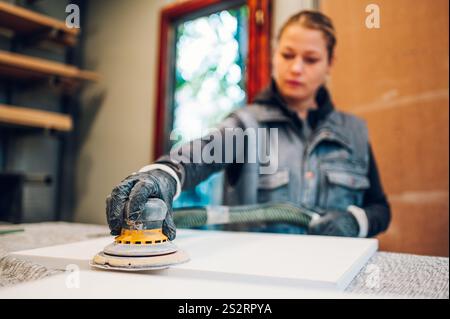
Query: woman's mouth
[(294, 83)]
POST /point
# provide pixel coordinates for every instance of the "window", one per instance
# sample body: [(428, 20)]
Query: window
[(214, 57)]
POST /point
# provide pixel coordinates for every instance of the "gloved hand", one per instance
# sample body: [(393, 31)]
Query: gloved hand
[(129, 198), (333, 223)]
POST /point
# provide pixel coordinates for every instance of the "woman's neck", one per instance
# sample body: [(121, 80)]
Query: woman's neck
[(303, 107)]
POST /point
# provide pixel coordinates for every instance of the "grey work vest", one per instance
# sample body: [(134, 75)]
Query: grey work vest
[(327, 171)]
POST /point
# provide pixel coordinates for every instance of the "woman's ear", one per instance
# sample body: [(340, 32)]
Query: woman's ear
[(274, 54), (332, 61), (274, 50)]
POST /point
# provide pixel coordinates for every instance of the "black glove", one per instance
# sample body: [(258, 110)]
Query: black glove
[(128, 199), (335, 224)]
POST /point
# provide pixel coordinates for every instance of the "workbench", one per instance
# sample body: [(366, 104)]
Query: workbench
[(398, 275)]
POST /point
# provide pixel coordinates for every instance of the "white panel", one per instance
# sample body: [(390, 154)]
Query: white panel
[(273, 259), (160, 285)]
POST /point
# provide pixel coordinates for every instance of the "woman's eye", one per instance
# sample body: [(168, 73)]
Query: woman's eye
[(288, 56), (311, 60)]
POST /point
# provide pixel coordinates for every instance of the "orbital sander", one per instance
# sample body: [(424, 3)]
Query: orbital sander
[(142, 244)]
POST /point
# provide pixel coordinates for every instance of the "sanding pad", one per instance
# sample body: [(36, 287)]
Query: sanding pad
[(126, 263)]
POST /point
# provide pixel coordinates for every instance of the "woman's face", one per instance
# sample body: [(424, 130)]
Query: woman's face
[(300, 63)]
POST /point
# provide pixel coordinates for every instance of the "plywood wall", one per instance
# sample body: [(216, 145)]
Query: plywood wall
[(396, 77)]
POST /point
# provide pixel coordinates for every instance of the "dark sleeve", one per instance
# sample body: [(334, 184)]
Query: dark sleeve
[(191, 168), (375, 203)]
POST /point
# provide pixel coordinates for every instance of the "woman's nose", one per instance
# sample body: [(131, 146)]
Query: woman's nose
[(297, 66)]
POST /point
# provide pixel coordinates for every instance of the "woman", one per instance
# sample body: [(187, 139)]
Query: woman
[(325, 161)]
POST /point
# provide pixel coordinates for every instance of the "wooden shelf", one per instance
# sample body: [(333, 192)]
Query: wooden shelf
[(25, 67), (25, 22), (23, 116)]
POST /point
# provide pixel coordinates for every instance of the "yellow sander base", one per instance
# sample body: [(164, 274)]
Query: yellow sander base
[(139, 250)]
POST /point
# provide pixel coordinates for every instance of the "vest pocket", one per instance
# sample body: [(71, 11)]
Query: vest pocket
[(342, 189), (274, 187)]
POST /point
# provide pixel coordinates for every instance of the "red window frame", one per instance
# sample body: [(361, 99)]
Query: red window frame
[(259, 53)]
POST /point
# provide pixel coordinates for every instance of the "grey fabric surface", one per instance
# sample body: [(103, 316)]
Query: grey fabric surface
[(386, 275), (401, 275), (14, 271)]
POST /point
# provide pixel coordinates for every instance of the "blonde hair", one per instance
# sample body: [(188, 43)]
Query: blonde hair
[(317, 21)]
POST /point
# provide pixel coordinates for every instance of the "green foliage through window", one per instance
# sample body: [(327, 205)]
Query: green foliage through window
[(209, 83)]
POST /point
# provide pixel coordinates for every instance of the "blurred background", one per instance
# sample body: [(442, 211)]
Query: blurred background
[(90, 91)]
